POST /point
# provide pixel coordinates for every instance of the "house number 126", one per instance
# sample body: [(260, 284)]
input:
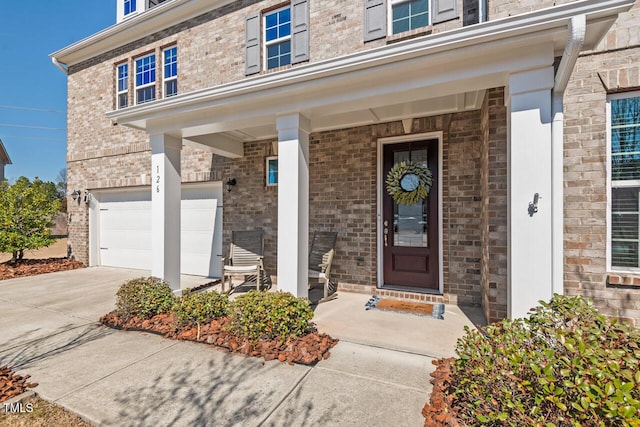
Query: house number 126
[(157, 179)]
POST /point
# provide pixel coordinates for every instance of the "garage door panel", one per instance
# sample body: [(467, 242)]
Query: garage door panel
[(125, 230)]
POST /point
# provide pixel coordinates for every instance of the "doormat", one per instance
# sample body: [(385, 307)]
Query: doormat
[(424, 309)]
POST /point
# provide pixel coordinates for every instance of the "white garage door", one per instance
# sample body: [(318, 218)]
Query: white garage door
[(125, 230)]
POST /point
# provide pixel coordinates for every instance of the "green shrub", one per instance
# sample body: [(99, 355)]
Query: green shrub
[(565, 365), (270, 315), (200, 307), (144, 298)]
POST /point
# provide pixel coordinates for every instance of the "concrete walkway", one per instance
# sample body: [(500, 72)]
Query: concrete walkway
[(378, 375)]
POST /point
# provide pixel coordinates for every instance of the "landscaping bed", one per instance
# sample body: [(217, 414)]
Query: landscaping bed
[(306, 349), (12, 384), (271, 325), (32, 267), (563, 365), (36, 412)]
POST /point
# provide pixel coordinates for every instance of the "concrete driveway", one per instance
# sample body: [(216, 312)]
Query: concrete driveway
[(48, 329)]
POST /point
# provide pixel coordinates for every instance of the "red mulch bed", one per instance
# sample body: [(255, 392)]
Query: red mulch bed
[(308, 349), (439, 411), (32, 267), (12, 384)]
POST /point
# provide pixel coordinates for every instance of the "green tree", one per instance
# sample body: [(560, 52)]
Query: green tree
[(27, 210)]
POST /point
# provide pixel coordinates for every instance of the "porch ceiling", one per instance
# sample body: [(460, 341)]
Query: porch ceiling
[(430, 75)]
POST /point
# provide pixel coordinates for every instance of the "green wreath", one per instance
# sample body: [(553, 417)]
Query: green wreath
[(408, 183)]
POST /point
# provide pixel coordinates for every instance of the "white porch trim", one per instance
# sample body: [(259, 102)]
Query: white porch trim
[(380, 188)]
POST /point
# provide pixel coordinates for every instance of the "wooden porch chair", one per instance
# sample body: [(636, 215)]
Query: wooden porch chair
[(320, 258), (245, 258)]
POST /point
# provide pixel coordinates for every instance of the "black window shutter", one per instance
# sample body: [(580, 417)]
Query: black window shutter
[(443, 10), (375, 19), (252, 44), (299, 31)]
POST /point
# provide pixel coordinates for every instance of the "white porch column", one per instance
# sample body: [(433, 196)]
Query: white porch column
[(165, 208), (293, 203), (530, 172)]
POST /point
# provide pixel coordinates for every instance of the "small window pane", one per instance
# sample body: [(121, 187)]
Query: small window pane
[(123, 100), (271, 20), (285, 30), (272, 34), (146, 94), (624, 254), (279, 54), (272, 171), (171, 88)]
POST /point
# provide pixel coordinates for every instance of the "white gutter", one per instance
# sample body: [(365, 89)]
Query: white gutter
[(63, 67), (577, 31)]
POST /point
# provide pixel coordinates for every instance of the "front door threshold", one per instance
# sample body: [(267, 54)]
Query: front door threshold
[(409, 289)]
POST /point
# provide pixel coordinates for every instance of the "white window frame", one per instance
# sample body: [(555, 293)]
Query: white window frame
[(265, 44), (126, 90), (610, 186), (391, 3), (166, 79), (135, 76), (266, 171)]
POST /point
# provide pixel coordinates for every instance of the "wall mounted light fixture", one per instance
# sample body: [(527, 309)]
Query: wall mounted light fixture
[(75, 195), (230, 183)]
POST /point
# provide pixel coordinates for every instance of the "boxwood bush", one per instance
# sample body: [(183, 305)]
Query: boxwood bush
[(564, 365), (199, 308), (144, 297), (270, 315)]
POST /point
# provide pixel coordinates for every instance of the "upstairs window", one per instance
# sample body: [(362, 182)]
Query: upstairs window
[(624, 135), (170, 70), (408, 15), (277, 31), (122, 85), (129, 7), (145, 79)]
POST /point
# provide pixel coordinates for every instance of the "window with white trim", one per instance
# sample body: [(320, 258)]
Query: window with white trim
[(277, 38), (408, 15), (272, 171), (170, 71), (129, 6), (624, 177), (145, 79), (122, 85)]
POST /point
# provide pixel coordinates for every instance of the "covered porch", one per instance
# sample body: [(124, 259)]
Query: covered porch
[(505, 70)]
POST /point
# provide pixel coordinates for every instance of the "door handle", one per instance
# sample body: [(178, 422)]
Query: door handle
[(386, 238)]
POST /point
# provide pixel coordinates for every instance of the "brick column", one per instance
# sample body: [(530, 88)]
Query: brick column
[(293, 204), (165, 208)]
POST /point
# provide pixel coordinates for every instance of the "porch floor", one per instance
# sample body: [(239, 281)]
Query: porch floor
[(345, 318)]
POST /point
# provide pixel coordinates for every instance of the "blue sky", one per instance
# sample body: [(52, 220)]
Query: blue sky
[(29, 31)]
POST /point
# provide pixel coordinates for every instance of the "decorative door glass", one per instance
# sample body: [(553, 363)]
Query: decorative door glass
[(410, 221)]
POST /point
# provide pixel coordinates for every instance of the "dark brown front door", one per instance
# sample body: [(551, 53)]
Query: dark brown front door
[(410, 232)]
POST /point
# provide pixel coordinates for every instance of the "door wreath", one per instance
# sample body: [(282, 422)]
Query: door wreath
[(408, 183)]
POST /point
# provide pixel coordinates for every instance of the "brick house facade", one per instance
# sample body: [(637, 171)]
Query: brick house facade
[(477, 78)]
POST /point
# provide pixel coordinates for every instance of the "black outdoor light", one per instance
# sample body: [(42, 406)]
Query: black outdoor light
[(75, 195), (230, 183)]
